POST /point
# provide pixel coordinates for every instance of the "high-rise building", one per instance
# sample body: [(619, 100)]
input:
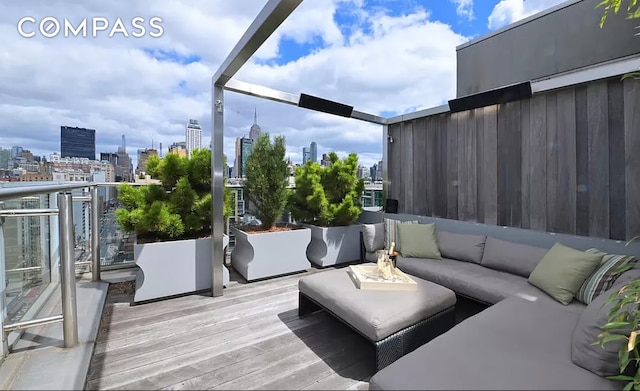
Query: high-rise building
[(246, 148), (255, 131), (16, 151), (325, 160), (77, 142), (193, 136), (314, 151), (6, 161), (306, 155), (142, 159)]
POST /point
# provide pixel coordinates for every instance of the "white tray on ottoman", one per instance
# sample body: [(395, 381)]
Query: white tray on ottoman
[(395, 321)]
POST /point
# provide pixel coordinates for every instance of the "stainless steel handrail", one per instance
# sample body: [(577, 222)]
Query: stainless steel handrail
[(24, 269), (32, 323), (9, 193), (28, 212)]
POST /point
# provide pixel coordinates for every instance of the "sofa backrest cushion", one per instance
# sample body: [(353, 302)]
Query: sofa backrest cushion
[(602, 361), (373, 237), (510, 257), (462, 247)]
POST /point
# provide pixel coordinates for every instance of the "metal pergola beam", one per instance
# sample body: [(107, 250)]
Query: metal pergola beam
[(259, 91), (268, 20)]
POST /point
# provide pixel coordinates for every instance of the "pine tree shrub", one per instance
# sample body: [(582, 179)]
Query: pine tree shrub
[(266, 181), (328, 196), (178, 208)]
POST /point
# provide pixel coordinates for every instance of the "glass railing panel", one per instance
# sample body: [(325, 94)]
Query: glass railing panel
[(26, 257), (116, 246)]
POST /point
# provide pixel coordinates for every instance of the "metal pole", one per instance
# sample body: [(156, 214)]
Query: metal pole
[(95, 235), (385, 163), (217, 195), (68, 272)]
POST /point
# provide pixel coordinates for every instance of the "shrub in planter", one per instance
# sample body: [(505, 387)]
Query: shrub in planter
[(266, 179), (328, 198), (268, 250), (172, 222), (179, 208)]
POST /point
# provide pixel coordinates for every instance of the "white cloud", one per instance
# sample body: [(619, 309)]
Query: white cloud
[(464, 8), (114, 86), (509, 11)]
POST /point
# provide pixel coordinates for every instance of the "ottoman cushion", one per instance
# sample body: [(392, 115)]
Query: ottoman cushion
[(376, 314)]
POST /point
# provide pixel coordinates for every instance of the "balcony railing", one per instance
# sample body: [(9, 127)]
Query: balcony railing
[(47, 233)]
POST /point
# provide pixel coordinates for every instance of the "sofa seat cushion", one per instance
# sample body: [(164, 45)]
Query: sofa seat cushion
[(470, 279), (515, 344)]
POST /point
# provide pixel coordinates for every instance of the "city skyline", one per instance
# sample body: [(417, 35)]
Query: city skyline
[(158, 83)]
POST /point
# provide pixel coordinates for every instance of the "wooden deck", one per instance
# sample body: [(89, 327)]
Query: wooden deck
[(251, 338)]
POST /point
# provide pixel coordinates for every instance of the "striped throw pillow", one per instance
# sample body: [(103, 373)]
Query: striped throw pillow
[(604, 276), (390, 232)]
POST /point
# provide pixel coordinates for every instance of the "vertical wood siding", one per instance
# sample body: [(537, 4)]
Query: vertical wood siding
[(564, 161)]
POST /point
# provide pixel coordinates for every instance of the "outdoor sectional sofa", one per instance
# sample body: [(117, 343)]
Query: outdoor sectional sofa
[(524, 339)]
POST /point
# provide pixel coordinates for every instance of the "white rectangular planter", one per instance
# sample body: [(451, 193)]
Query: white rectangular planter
[(334, 245), (270, 254), (174, 267)]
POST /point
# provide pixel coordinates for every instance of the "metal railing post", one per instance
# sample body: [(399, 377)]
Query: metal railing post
[(95, 235), (68, 272)]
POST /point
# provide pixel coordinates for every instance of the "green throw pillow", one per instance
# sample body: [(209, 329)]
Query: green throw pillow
[(562, 271), (418, 241)]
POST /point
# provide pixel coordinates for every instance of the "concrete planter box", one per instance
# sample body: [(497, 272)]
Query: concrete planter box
[(270, 254), (173, 268), (334, 245)]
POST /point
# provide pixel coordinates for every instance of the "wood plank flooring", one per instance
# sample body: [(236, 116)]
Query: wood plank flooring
[(250, 338)]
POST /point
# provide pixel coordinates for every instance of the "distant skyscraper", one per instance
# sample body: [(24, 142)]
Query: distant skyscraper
[(160, 149), (193, 136), (246, 148), (255, 131), (16, 151), (325, 160), (77, 142), (306, 155), (314, 152)]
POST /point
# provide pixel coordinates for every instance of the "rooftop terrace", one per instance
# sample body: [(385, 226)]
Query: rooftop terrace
[(549, 148)]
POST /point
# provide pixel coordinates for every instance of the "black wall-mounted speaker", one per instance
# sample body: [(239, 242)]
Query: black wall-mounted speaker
[(391, 206), (324, 105), (500, 95)]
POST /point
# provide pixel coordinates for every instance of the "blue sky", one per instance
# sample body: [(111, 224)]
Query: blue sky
[(385, 57)]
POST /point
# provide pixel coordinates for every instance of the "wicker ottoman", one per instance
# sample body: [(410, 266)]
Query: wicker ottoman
[(396, 322)]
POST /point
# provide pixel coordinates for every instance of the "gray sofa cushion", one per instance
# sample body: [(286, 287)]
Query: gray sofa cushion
[(462, 247), (515, 344), (373, 237), (602, 361), (371, 257), (512, 257), (376, 314), (476, 281)]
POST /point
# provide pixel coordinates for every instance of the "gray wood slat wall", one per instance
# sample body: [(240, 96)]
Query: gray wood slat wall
[(564, 161)]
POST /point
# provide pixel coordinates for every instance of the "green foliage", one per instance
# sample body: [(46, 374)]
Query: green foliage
[(266, 179), (329, 196), (153, 166), (632, 11), (623, 326), (179, 208)]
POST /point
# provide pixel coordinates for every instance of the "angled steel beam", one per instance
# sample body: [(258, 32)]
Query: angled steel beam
[(272, 15), (302, 100)]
